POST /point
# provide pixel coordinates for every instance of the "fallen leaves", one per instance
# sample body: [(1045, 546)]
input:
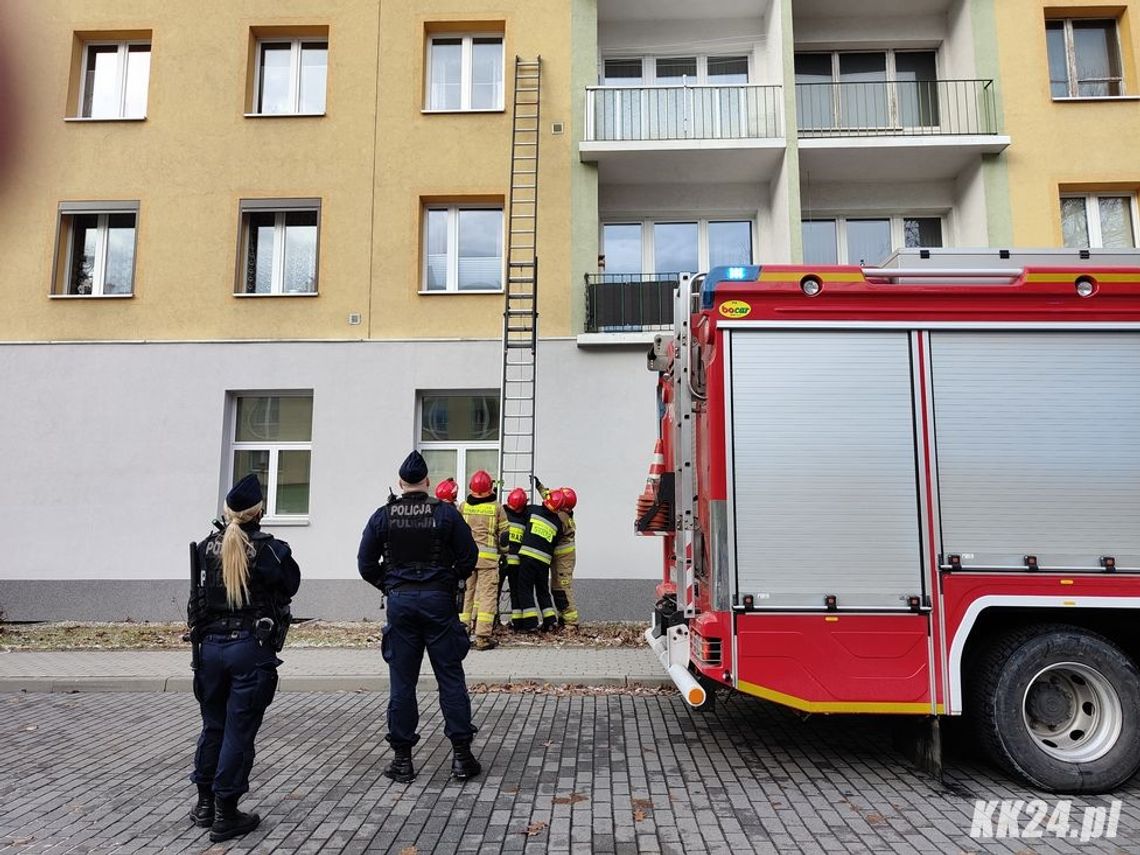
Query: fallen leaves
[(568, 689), (409, 850), (639, 815), (642, 803), (571, 799), (534, 829)]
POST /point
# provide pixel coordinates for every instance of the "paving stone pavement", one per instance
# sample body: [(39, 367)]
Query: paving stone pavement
[(604, 773)]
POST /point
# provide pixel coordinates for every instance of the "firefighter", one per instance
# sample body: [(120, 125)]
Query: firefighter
[(562, 570), (238, 615), (447, 491), (543, 530), (488, 523), (427, 550), (516, 513)]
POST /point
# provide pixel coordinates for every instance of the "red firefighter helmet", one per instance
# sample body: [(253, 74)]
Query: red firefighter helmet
[(447, 491), (480, 483), (569, 499), (517, 499), (554, 500)]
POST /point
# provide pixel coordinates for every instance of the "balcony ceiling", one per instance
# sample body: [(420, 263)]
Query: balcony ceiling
[(678, 10), (864, 8), (749, 162), (879, 159)]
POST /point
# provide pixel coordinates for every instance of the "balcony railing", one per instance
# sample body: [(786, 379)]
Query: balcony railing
[(745, 111), (899, 108), (629, 302)]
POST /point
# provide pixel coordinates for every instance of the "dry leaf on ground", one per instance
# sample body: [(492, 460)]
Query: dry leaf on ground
[(647, 804), (534, 828), (639, 815), (409, 850), (571, 799)]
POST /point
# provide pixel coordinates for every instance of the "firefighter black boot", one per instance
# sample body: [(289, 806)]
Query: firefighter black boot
[(229, 822), (463, 764), (202, 814), (401, 769)]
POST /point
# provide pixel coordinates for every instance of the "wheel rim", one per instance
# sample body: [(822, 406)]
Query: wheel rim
[(1072, 712)]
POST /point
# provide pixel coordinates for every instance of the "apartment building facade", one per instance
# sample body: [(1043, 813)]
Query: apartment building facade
[(244, 237)]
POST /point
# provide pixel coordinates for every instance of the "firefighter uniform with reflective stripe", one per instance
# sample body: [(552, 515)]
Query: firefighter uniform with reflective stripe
[(516, 526), (488, 522), (543, 530), (562, 572)]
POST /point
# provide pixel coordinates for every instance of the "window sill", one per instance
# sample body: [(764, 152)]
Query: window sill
[(283, 115), (427, 112), (284, 521), (104, 118), (1098, 98), (90, 296), (469, 291), (283, 294)]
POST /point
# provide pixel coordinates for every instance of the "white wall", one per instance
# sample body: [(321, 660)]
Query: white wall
[(870, 31), (970, 212), (114, 452), (688, 37), (958, 61), (835, 198)]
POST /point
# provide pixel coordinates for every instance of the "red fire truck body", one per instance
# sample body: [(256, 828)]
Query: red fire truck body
[(913, 489)]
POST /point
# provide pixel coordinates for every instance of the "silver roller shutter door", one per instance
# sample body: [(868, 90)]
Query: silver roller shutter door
[(825, 495), (1038, 444)]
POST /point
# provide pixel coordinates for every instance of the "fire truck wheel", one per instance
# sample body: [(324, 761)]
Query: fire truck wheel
[(1059, 706)]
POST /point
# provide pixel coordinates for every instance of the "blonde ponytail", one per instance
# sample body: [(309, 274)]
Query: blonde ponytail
[(235, 555)]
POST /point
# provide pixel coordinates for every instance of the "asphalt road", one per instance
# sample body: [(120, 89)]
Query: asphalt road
[(605, 773)]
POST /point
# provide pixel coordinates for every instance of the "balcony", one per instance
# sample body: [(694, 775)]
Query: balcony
[(630, 302), (693, 133), (899, 130)]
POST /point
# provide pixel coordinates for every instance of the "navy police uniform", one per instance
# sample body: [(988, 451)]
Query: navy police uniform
[(236, 677), (416, 549)]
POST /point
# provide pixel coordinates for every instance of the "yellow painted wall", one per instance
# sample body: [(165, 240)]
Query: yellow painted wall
[(1061, 144), (196, 155)]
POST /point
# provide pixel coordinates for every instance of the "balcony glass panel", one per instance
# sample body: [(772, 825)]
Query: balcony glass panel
[(868, 241), (863, 102), (730, 243), (819, 242), (675, 247), (621, 243), (814, 103), (917, 89)]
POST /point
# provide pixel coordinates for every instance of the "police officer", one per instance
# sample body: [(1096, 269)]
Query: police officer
[(238, 614), (417, 550)]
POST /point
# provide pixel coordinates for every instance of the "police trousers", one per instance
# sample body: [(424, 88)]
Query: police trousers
[(234, 684), (420, 620)]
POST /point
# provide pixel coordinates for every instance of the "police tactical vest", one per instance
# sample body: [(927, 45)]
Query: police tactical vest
[(212, 593), (414, 541)]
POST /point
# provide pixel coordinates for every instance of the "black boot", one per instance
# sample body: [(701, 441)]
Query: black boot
[(463, 764), (401, 769), (202, 814), (230, 822)]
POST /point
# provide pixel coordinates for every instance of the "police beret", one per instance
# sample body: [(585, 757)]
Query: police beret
[(414, 468), (245, 494)]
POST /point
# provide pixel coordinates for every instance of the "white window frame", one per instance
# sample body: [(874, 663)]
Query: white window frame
[(279, 208), (120, 77), (648, 247), (1092, 215), (1071, 59), (452, 284), (461, 447), (649, 67), (894, 114), (294, 74), (99, 274), (465, 70), (897, 225), (271, 517)]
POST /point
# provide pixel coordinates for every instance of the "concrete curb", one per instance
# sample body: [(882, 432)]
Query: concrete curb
[(306, 683)]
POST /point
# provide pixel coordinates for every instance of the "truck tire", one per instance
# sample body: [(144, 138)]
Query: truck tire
[(1059, 707)]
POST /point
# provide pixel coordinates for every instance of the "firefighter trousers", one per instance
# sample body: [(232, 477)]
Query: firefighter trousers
[(510, 571), (562, 590), (535, 601), (480, 602)]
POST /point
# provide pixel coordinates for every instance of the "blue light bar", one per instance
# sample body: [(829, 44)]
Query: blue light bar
[(736, 273)]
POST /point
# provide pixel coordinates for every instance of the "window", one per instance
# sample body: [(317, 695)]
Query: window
[(272, 437), (463, 248), (1093, 220), (465, 72), (866, 240), (291, 77), (876, 89), (279, 246), (459, 434), (1084, 58), (675, 247), (113, 79), (95, 249)]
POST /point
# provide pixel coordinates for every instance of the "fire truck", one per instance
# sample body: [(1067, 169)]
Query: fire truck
[(911, 489)]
